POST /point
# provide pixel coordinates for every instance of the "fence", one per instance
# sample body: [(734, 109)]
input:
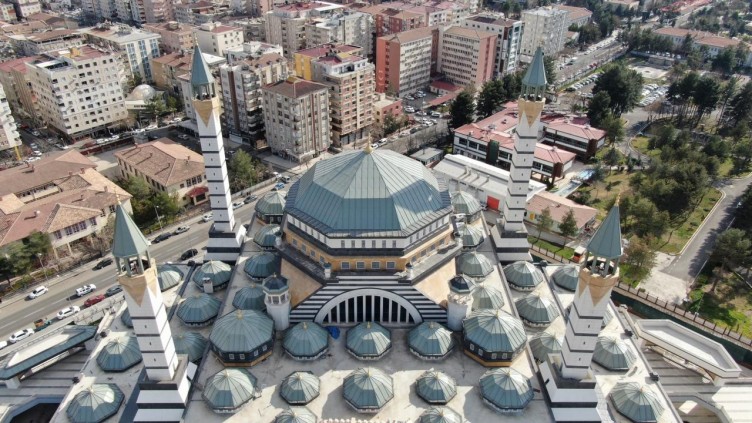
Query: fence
[(548, 254)]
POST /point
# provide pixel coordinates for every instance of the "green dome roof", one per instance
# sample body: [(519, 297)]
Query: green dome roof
[(306, 340), (613, 353), (494, 331), (430, 340), (168, 276), (436, 387), (219, 273), (296, 415), (261, 265), (126, 318), (228, 389), (272, 203), (464, 202), (119, 355), (369, 340), (242, 331), (266, 236), (485, 296), (300, 388), (461, 284), (191, 344), (567, 277), (198, 310), (250, 298), (523, 274), (474, 264), (440, 415), (471, 236), (380, 193), (506, 389), (545, 343), (368, 389), (636, 402), (536, 310), (95, 404)]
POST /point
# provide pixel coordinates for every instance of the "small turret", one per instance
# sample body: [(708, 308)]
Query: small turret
[(202, 80), (534, 83), (277, 300)]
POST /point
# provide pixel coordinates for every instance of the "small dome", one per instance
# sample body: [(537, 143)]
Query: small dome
[(440, 415), (143, 92), (300, 388), (545, 343), (613, 353), (168, 276), (119, 354), (261, 265), (126, 318), (523, 275), (242, 331), (199, 310), (536, 310), (275, 284), (506, 390), (227, 390), (474, 264), (461, 284), (494, 331), (369, 341), (296, 415), (567, 277), (368, 389), (436, 387), (471, 236), (466, 203), (250, 298), (95, 404), (430, 340), (271, 204), (485, 296), (266, 236), (219, 273), (191, 344), (306, 341), (636, 402)]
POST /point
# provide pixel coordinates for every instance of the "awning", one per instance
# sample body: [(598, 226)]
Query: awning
[(196, 191)]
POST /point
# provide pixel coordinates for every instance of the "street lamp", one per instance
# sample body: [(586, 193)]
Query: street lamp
[(159, 219), (44, 268)]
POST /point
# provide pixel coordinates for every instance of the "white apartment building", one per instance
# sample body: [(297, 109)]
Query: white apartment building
[(509, 40), (216, 39), (25, 8), (285, 25), (346, 27), (136, 47), (545, 27), (8, 13), (296, 117), (9, 136), (78, 90)]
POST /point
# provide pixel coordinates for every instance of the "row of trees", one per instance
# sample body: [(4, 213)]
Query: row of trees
[(244, 171), (20, 258), (148, 203)]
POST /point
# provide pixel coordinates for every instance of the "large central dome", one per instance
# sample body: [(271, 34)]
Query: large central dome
[(368, 193)]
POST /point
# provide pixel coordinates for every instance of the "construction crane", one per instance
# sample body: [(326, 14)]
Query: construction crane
[(18, 153)]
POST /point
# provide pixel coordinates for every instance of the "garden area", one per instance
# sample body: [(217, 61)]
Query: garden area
[(729, 306)]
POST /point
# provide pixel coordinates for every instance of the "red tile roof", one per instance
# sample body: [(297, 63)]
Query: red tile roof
[(559, 207), (586, 132)]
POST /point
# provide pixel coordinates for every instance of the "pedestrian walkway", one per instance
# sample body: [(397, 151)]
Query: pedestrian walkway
[(664, 286)]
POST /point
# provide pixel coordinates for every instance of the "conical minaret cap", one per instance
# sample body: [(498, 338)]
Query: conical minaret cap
[(535, 77), (606, 243), (200, 73), (128, 240)]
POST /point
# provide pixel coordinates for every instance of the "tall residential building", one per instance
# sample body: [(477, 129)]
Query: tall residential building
[(136, 47), (347, 27), (8, 13), (391, 18), (296, 117), (404, 61), (157, 11), (241, 92), (26, 8), (544, 27), (304, 58), (467, 57), (16, 81), (253, 8), (200, 12), (285, 25), (79, 90), (175, 36), (9, 136), (253, 29), (216, 38), (509, 33)]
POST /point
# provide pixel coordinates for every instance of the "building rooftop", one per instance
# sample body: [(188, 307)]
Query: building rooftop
[(575, 13), (569, 127), (559, 206), (700, 37), (475, 34), (325, 49), (164, 161), (41, 37), (119, 33), (18, 65), (492, 20), (410, 36), (294, 87)]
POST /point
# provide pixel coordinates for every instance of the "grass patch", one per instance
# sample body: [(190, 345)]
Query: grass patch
[(563, 251), (601, 194), (632, 275), (730, 306)]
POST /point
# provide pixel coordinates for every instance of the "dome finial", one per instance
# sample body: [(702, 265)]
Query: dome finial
[(368, 148)]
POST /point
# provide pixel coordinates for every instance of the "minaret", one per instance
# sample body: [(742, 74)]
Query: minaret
[(225, 239), (514, 245), (576, 399), (164, 390)]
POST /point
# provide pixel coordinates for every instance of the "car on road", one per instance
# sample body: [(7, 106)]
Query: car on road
[(182, 229), (410, 98), (375, 145), (40, 290), (280, 186), (163, 237), (151, 127), (21, 335), (138, 131), (94, 300), (435, 114), (33, 159), (35, 133), (36, 153), (86, 289), (207, 217), (237, 204), (250, 199), (188, 254), (409, 109), (113, 290), (61, 146), (103, 263), (41, 324), (67, 312)]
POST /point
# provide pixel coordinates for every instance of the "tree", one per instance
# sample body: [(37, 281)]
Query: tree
[(732, 248), (742, 155), (641, 257), (644, 219), (706, 95), (242, 172), (37, 243), (490, 99), (544, 222), (727, 93), (168, 205), (612, 158), (550, 66), (741, 105), (568, 225), (725, 61), (103, 239), (614, 128), (623, 85), (462, 109), (156, 107), (599, 108)]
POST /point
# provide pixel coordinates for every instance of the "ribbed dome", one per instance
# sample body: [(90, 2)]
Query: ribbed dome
[(380, 192), (368, 389), (228, 389), (494, 331), (461, 284), (119, 355), (95, 404), (306, 341), (369, 340), (296, 415), (190, 343), (198, 310), (242, 331), (567, 277), (636, 402), (261, 265), (250, 298), (440, 415), (464, 202), (272, 203), (266, 236), (275, 284), (506, 389), (613, 353), (430, 340), (474, 264), (523, 275), (471, 236), (300, 388), (126, 318), (485, 296), (536, 310), (436, 387), (219, 273), (168, 276), (545, 343)]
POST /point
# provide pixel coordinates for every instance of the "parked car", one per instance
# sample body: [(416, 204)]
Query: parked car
[(188, 254), (32, 159), (280, 186), (162, 237), (250, 199), (181, 229), (94, 300), (207, 217), (86, 289), (435, 114), (40, 290), (61, 146), (237, 204), (21, 335), (41, 324), (36, 153), (375, 145), (35, 133), (113, 290), (103, 263), (67, 312)]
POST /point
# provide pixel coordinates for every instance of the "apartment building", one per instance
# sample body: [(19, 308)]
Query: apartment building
[(384, 105), (579, 16), (9, 137), (404, 61), (346, 27), (216, 39), (296, 117), (78, 90), (241, 92), (252, 50), (545, 27), (174, 36), (467, 57), (136, 47), (304, 58), (8, 13), (26, 8), (509, 37), (253, 29), (42, 42), (16, 82), (200, 12), (285, 25)]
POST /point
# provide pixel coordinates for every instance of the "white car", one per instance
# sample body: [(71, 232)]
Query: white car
[(207, 217), (139, 131), (181, 229), (41, 290), (67, 312), (21, 335), (237, 204), (151, 127), (86, 289)]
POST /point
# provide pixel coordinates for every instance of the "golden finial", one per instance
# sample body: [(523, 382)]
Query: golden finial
[(368, 148), (618, 199)]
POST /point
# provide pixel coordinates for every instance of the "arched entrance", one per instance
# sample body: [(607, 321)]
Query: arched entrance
[(362, 305)]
